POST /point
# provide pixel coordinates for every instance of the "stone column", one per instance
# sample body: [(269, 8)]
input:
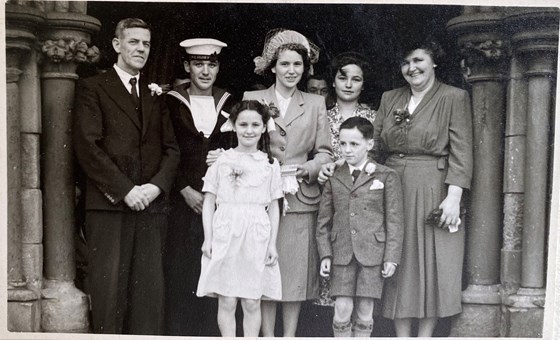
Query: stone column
[(32, 205), (482, 45), (65, 42), (23, 297), (513, 176), (536, 44)]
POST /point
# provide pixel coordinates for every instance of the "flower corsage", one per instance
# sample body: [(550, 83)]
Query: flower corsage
[(235, 176), (400, 115), (369, 168), (155, 89), (274, 113)]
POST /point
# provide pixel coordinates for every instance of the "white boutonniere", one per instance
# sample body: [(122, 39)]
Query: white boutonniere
[(376, 185), (370, 169), (155, 89)]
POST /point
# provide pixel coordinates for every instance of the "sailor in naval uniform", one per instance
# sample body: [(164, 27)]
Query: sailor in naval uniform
[(198, 109)]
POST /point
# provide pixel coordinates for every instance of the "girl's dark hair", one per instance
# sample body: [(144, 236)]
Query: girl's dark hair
[(362, 124), (301, 50), (431, 46), (351, 58), (264, 111)]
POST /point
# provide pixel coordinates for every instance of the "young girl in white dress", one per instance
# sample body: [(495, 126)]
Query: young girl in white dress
[(240, 216)]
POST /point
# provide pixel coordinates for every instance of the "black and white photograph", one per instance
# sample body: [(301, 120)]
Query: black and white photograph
[(302, 169)]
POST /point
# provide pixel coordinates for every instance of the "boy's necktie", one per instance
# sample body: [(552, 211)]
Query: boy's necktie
[(355, 175)]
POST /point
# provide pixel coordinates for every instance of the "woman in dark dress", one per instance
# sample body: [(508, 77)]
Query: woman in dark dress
[(427, 129)]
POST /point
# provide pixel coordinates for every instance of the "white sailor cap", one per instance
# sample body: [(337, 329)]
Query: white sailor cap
[(202, 48)]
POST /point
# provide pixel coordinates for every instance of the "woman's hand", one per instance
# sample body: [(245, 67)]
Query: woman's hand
[(451, 206), (327, 170), (213, 155), (207, 248), (271, 256), (302, 173), (325, 267)]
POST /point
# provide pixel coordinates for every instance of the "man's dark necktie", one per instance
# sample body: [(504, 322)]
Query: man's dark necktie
[(134, 94), (355, 175), (136, 99)]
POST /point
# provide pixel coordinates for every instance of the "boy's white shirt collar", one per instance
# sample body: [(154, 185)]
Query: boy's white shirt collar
[(359, 167)]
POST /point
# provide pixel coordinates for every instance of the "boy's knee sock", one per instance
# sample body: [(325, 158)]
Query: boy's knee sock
[(361, 328), (342, 329)]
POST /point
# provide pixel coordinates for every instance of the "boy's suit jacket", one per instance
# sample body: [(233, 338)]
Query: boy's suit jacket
[(115, 149), (302, 137), (356, 219)]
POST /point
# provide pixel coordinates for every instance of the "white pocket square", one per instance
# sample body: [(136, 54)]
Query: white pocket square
[(376, 185)]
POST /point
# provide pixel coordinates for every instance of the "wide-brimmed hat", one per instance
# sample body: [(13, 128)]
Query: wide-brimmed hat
[(278, 37)]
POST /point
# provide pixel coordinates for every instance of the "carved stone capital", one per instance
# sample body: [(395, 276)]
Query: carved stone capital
[(481, 43), (489, 49), (70, 50)]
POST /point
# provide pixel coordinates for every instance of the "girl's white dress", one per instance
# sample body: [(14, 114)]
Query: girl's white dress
[(244, 185)]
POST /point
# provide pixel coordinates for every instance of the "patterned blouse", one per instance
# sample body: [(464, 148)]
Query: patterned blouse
[(335, 119)]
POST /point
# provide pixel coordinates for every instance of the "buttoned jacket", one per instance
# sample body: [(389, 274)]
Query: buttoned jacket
[(362, 219), (118, 151), (301, 137)]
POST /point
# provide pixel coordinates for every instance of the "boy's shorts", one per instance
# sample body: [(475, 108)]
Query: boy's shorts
[(355, 279)]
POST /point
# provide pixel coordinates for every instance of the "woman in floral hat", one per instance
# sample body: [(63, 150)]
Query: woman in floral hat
[(301, 143), (427, 129)]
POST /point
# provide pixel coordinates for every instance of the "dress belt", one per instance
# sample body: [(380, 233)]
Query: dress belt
[(441, 160)]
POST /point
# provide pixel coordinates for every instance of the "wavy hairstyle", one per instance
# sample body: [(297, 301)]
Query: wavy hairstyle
[(431, 46)]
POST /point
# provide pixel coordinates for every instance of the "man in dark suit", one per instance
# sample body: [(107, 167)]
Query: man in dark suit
[(198, 111), (125, 144)]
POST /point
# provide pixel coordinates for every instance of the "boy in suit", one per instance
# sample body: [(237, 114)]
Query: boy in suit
[(125, 144), (360, 229)]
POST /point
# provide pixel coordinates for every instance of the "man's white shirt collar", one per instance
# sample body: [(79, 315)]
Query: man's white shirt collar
[(125, 78)]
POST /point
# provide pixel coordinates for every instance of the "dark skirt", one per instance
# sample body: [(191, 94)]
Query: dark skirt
[(428, 279)]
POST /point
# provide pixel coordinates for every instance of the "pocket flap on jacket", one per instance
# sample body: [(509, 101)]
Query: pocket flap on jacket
[(309, 193), (380, 236)]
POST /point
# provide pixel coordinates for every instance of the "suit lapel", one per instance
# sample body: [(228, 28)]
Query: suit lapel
[(270, 97), (295, 109), (117, 91), (361, 180), (147, 103), (343, 175), (427, 97)]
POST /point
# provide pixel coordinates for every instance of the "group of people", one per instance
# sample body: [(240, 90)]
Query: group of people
[(192, 195)]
